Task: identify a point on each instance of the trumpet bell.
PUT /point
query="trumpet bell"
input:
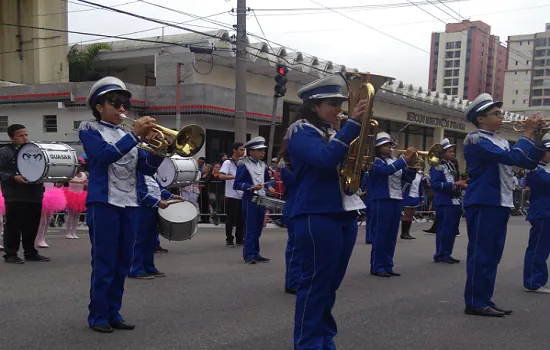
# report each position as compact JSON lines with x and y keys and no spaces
{"x":433,"y":156}
{"x":188,"y":141}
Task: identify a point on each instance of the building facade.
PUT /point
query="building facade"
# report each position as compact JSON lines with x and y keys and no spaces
{"x":466,"y":60}
{"x":527,"y":77}
{"x":53,"y":112}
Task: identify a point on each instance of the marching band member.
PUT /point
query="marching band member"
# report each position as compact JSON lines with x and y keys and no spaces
{"x":446,"y":186}
{"x":366,"y":199}
{"x":386,"y":195}
{"x":413,"y":195}
{"x":324,"y":218}
{"x":76,"y":200}
{"x":292,"y":255}
{"x":535,"y":270}
{"x":488,"y":198}
{"x":112,"y":202}
{"x":252,"y":175}
{"x":152,"y":197}
{"x":53,"y":202}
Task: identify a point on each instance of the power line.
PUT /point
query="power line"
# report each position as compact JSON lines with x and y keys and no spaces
{"x":357,"y":7}
{"x":75,"y":11}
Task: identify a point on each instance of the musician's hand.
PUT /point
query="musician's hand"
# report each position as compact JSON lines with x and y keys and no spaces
{"x":20,"y":179}
{"x":151,"y":135}
{"x":531,"y":125}
{"x":271,"y":190}
{"x":409,"y":153}
{"x":143,"y":125}
{"x":359,"y":110}
{"x":461,"y":183}
{"x":177,"y":197}
{"x":256,"y":187}
{"x":163,"y":205}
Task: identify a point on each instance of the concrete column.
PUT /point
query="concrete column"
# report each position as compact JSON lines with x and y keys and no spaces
{"x":439,"y":134}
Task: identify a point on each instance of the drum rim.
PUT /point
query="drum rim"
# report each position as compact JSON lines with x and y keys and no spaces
{"x":47,"y":160}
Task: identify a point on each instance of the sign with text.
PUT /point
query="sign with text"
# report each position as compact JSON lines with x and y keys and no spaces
{"x":434,"y":121}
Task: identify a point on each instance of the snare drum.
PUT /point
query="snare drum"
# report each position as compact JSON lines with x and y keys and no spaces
{"x":47,"y":162}
{"x":269,"y":202}
{"x":179,"y":221}
{"x":178,"y":171}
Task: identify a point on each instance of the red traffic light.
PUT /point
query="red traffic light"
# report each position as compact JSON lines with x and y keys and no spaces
{"x":282,"y":70}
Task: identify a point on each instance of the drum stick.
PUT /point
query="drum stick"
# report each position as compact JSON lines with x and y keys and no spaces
{"x":174,"y":201}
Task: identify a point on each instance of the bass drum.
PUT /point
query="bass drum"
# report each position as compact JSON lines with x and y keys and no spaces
{"x":178,"y":171}
{"x":47,"y":162}
{"x":178,"y":222}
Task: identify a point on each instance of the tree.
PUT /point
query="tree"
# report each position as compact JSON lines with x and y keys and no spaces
{"x":81,"y":62}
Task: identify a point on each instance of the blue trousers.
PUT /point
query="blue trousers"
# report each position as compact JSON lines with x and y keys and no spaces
{"x":146,"y":242}
{"x":535,"y":271}
{"x":325,"y":242}
{"x":112,"y":233}
{"x":253,"y":217}
{"x":157,"y":239}
{"x":368,"y":235}
{"x":385,"y":218}
{"x":292,"y":258}
{"x":486,"y":238}
{"x":448,"y":220}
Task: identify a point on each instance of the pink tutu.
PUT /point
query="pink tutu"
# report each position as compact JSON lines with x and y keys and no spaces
{"x":76,"y":201}
{"x":2,"y":205}
{"x":54,"y":201}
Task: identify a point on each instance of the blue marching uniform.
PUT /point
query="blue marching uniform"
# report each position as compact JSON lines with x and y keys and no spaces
{"x":325,"y":225}
{"x":487,"y":203}
{"x":413,"y":193}
{"x":535,"y":270}
{"x":365,"y":186}
{"x":387,"y":177}
{"x":112,"y":212}
{"x":448,"y":208}
{"x":250,"y":173}
{"x":292,"y":255}
{"x":150,"y":193}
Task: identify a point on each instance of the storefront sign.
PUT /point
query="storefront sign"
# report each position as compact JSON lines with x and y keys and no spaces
{"x":434,"y":121}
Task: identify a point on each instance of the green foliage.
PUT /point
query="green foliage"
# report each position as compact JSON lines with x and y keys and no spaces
{"x":81,"y":62}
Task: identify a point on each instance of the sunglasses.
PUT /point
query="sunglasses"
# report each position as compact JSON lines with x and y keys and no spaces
{"x":118,"y":101}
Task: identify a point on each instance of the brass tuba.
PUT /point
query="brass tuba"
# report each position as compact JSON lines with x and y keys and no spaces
{"x":186,"y":143}
{"x":361,"y":86}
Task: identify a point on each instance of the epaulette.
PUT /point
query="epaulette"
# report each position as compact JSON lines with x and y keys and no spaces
{"x":243,"y":161}
{"x":298,"y":125}
{"x":281,"y":164}
{"x":440,"y":167}
{"x":473,"y":138}
{"x":88,"y":125}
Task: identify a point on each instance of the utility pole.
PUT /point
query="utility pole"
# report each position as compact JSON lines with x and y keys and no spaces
{"x":240,"y":74}
{"x":178,"y":97}
{"x":272,"y":129}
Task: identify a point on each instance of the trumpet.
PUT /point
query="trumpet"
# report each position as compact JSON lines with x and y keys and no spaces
{"x":517,"y":125}
{"x":186,"y":143}
{"x":433,"y":155}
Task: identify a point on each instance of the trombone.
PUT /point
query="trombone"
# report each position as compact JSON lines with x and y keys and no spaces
{"x":433,"y":155}
{"x":186,"y":143}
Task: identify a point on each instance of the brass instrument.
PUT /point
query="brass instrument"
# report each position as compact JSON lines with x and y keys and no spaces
{"x":433,"y":155}
{"x":517,"y":125}
{"x":186,"y":143}
{"x":361,"y":86}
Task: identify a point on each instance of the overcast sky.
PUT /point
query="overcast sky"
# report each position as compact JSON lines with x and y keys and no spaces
{"x":402,"y":52}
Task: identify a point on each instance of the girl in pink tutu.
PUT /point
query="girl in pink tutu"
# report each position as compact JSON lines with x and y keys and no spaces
{"x":2,"y":213}
{"x":76,"y":200}
{"x":54,"y":201}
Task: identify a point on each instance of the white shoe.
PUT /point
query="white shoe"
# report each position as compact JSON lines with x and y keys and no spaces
{"x":543,"y":290}
{"x":75,"y":236}
{"x":42,"y":245}
{"x":68,"y":236}
{"x":1,"y":246}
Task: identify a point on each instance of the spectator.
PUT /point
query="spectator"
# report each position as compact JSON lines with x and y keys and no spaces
{"x":233,"y":198}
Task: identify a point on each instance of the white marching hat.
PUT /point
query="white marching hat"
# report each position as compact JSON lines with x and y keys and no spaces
{"x":382,"y":138}
{"x":104,"y":86}
{"x":445,"y":143}
{"x":332,"y":86}
{"x":480,"y":105}
{"x":255,"y":143}
{"x":546,"y":141}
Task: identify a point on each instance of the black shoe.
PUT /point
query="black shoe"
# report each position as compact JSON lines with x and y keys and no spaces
{"x":157,"y":274}
{"x":506,"y":312}
{"x":102,"y":328}
{"x":144,"y":276}
{"x":446,"y":261}
{"x":37,"y":257}
{"x":122,"y":325}
{"x":160,"y":249}
{"x":261,"y":259}
{"x":250,"y":261}
{"x":394,"y":274}
{"x":13,"y":260}
{"x":368,"y":242}
{"x":240,"y":243}
{"x":230,"y":244}
{"x":483,"y":311}
{"x":429,"y":231}
{"x":456,"y":261}
{"x":290,"y":291}
{"x":381,"y":274}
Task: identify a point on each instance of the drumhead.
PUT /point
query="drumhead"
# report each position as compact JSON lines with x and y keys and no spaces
{"x":31,"y":161}
{"x":179,"y":212}
{"x":166,"y":172}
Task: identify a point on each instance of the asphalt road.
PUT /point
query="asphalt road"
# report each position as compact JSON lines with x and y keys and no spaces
{"x":212,"y":300}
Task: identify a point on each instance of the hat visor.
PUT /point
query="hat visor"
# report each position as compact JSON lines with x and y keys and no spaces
{"x":448,"y":146}
{"x":384,"y":142}
{"x":120,"y":91}
{"x":327,"y":96}
{"x":258,"y":147}
{"x":497,"y":104}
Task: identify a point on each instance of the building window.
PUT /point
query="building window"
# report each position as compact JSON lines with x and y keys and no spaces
{"x":454,"y":91}
{"x":457,"y":54}
{"x":458,"y":44}
{"x":516,"y":63}
{"x":516,"y":92}
{"x":457,"y":63}
{"x":513,"y":102}
{"x":450,"y":45}
{"x":455,"y":81}
{"x":524,"y":101}
{"x":3,"y":123}
{"x":515,"y":73}
{"x":447,"y":91}
{"x":528,"y":62}
{"x":449,"y":54}
{"x":50,"y":123}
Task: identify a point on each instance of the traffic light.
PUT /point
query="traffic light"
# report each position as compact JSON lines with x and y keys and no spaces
{"x":280,"y":79}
